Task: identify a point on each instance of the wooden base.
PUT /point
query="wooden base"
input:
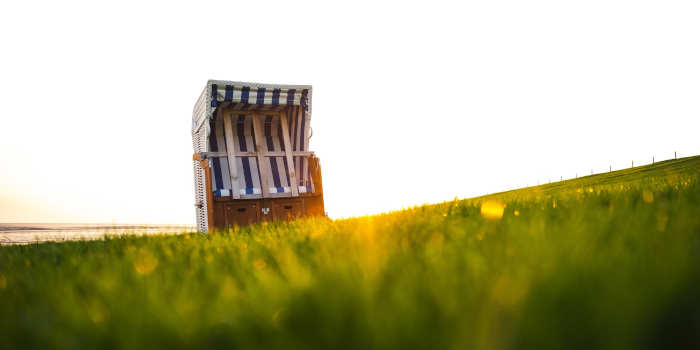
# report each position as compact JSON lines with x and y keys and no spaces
{"x":223,"y":212}
{"x":241,"y":212}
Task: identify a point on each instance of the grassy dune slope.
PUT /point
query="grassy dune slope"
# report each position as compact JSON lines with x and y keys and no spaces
{"x":606,"y":261}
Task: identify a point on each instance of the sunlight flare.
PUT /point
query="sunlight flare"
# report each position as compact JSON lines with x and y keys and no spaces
{"x":492,"y":209}
{"x":145,"y":262}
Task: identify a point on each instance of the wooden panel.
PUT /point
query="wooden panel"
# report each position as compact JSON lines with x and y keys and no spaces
{"x":316,"y":179}
{"x":242,"y":213}
{"x":313,"y":206}
{"x":230,"y":150}
{"x":219,"y":216}
{"x":228,"y":212}
{"x":287,"y":209}
{"x":288,"y":153}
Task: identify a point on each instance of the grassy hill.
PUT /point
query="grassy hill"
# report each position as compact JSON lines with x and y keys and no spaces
{"x":605,"y":261}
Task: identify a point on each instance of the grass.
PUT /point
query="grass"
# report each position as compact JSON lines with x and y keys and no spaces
{"x":608,"y":261}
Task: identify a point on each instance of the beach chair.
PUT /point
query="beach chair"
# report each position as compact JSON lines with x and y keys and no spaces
{"x":251,"y":157}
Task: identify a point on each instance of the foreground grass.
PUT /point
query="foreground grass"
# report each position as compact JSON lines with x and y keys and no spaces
{"x":608,"y":261}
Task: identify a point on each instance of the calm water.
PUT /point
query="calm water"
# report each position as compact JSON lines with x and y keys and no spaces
{"x":31,"y":233}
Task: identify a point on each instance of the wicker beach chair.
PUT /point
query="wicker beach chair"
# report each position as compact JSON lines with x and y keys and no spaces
{"x":251,"y":158}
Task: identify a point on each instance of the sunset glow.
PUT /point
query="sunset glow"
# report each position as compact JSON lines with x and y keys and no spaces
{"x":99,"y":130}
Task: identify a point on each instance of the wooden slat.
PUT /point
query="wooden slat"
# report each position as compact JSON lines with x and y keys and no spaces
{"x":302,"y":154}
{"x":302,"y":170}
{"x":205,"y":155}
{"x":288,"y":150}
{"x":246,"y":154}
{"x":279,"y":195}
{"x":251,"y":112}
{"x":251,"y":196}
{"x":264,"y":168}
{"x":305,"y":162}
{"x":230,"y":150}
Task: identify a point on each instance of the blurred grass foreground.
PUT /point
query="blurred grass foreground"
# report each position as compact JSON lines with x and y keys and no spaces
{"x":609,"y":261}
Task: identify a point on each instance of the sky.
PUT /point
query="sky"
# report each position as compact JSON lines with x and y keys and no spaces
{"x":413,"y":102}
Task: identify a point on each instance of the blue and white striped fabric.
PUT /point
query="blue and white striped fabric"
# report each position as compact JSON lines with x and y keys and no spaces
{"x":246,"y":97}
{"x":248,"y":167}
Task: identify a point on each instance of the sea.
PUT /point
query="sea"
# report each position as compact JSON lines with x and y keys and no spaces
{"x":35,"y":233}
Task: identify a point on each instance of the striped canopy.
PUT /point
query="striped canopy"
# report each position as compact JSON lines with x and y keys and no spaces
{"x":248,"y":96}
{"x":258,"y":95}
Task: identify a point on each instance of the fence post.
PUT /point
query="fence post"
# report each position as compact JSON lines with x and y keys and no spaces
{"x":674,"y":154}
{"x":652,"y":159}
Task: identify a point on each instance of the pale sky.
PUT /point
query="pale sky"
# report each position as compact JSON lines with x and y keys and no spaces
{"x":414,"y":102}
